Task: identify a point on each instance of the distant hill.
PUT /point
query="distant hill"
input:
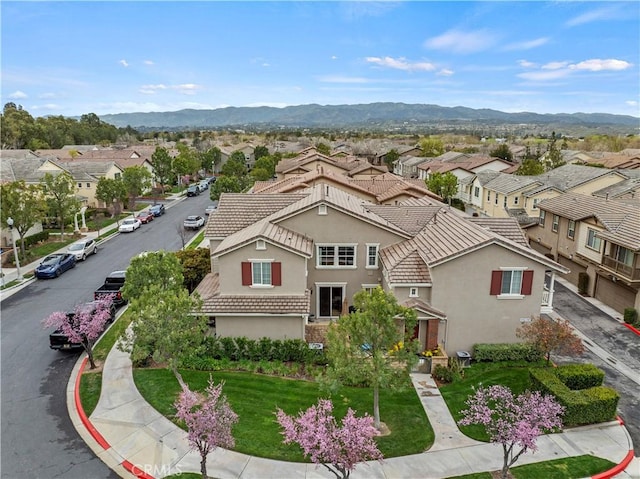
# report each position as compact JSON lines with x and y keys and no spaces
{"x":373,"y":116}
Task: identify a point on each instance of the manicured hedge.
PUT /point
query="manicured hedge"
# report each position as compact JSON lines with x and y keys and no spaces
{"x":582,"y":406}
{"x":580,"y":376}
{"x":506,"y":352}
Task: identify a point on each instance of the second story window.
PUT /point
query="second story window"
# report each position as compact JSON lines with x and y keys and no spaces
{"x":413,"y":292}
{"x":535,"y":203}
{"x":593,"y":241}
{"x":541,"y":218}
{"x":261,"y":273}
{"x":556,"y":222}
{"x":372,"y":255}
{"x":571,"y":230}
{"x":496,"y":199}
{"x":623,"y":255}
{"x":504,"y":202}
{"x":336,"y":256}
{"x":476,"y":191}
{"x":488,"y":196}
{"x":516,"y":200}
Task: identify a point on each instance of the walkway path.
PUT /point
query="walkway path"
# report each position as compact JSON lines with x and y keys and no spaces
{"x":135,"y":432}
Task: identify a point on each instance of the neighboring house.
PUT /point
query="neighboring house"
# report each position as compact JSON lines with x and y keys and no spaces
{"x":407,"y":166}
{"x":381,"y":189}
{"x":310,"y":160}
{"x":285,"y":265}
{"x":503,"y":195}
{"x":86,"y":174}
{"x":596,"y":236}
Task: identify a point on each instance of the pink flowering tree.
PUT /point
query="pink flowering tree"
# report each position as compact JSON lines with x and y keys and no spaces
{"x":514,"y":422}
{"x":209,"y":420}
{"x":338,"y":448}
{"x":83,"y":325}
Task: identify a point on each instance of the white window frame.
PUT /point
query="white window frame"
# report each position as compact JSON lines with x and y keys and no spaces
{"x":261,"y":283}
{"x":488,"y":195}
{"x":497,"y":199}
{"x":370,"y":287}
{"x":414,"y":292}
{"x":373,"y":265}
{"x":535,"y":203}
{"x":512,"y":293}
{"x":571,"y":229}
{"x":476,"y":192}
{"x":541,"y":218}
{"x":336,"y":255}
{"x":261,"y":245}
{"x":322,"y":210}
{"x":516,"y":200}
{"x":593,"y":242}
{"x":555,"y":223}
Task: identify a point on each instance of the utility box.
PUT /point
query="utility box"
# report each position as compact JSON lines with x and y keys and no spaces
{"x":465,"y":358}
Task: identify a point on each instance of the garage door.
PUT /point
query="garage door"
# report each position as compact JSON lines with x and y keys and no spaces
{"x":614,"y":294}
{"x":574,"y":267}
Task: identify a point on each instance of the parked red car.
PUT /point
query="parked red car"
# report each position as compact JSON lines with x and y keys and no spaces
{"x":145,"y":217}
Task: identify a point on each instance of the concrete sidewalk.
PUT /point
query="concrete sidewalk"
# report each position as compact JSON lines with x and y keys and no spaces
{"x":131,"y":433}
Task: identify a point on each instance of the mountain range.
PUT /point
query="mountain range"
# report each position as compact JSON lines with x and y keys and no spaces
{"x":368,"y":116}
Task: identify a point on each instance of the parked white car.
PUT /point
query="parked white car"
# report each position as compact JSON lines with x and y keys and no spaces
{"x":129,"y":225}
{"x":193,"y":222}
{"x":83,"y":248}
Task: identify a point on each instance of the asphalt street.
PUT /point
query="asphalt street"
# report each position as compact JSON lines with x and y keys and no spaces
{"x":610,"y":346}
{"x":38,"y":439}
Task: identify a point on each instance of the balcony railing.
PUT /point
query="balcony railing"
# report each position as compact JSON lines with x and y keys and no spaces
{"x":622,"y":269}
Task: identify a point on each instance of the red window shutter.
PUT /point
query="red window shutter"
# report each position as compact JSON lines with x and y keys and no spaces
{"x":276,"y":274}
{"x":527,"y":281}
{"x":246,"y":274}
{"x":496,"y":283}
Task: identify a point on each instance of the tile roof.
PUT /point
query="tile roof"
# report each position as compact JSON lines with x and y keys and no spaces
{"x":505,"y":183}
{"x":408,"y":269}
{"x":240,"y":210}
{"x":621,"y":220}
{"x":567,"y":177}
{"x":415,"y":303}
{"x":631,"y":185}
{"x":273,"y":233}
{"x":215,"y":303}
{"x":411,"y":219}
{"x":507,"y":227}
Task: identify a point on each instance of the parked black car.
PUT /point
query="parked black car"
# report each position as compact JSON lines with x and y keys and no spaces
{"x":58,"y":340}
{"x":193,"y":190}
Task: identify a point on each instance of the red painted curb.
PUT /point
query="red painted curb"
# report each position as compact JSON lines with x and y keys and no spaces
{"x":632,"y":328}
{"x":135,"y":470}
{"x":616,"y":469}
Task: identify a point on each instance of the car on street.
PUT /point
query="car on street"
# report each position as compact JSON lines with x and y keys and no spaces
{"x":193,"y":222}
{"x":193,"y":190}
{"x":129,"y":225}
{"x":145,"y":217}
{"x":211,"y":208}
{"x":54,"y":265}
{"x":58,"y":340}
{"x":83,"y":248}
{"x":157,"y":210}
{"x":203,"y":185}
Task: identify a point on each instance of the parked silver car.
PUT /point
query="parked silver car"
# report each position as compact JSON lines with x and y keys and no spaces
{"x":83,"y":248}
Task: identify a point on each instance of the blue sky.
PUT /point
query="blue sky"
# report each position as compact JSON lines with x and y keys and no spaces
{"x":73,"y":58}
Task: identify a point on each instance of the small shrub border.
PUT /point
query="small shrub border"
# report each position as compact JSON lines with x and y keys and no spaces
{"x":500,"y":352}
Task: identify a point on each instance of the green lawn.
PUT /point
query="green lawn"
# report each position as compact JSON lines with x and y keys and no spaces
{"x":514,"y":375}
{"x":255,"y":399}
{"x":566,"y":468}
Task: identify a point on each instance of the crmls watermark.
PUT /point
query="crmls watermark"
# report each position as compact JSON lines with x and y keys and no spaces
{"x":155,"y":470}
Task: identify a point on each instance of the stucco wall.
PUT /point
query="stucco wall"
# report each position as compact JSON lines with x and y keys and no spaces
{"x":277,"y":327}
{"x":461,"y":289}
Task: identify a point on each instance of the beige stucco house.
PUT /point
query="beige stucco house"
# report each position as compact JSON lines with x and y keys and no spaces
{"x":282,"y":264}
{"x":596,"y":236}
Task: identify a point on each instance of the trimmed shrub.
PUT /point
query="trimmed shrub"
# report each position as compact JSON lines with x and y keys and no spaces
{"x":583,"y":283}
{"x":443,"y":374}
{"x":580,"y":376}
{"x":506,"y":352}
{"x":630,"y":316}
{"x":582,"y":406}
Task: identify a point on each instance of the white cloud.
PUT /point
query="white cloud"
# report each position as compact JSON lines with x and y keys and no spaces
{"x":606,"y":13}
{"x":266,"y":65}
{"x":632,"y":103}
{"x":18,"y":95}
{"x":47,"y":95}
{"x":445,"y":72}
{"x":152,"y":89}
{"x":124,"y":63}
{"x":554,"y":65}
{"x":47,"y":106}
{"x":555,"y":70}
{"x":462,"y":42}
{"x":400,"y":64}
{"x":526,"y":64}
{"x":148,"y":62}
{"x":596,"y":65}
{"x":528,"y":45}
{"x":333,"y":57}
{"x":187,"y":88}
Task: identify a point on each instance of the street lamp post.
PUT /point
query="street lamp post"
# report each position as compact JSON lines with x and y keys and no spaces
{"x":15,"y":250}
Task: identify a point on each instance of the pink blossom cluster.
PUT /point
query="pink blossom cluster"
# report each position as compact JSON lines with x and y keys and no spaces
{"x":513,"y":421}
{"x":318,"y":434}
{"x":85,"y":323}
{"x":209,"y":418}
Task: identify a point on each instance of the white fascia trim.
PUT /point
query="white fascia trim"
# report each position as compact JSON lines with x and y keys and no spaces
{"x":410,"y":285}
